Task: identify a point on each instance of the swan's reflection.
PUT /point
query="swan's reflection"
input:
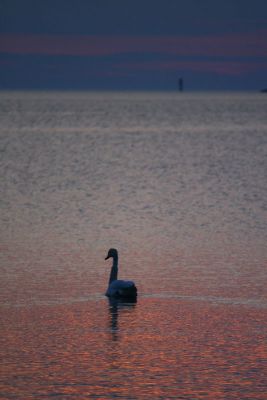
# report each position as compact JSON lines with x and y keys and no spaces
{"x":115,"y":307}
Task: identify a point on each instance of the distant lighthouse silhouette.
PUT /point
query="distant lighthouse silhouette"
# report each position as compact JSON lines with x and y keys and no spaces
{"x":181,"y":84}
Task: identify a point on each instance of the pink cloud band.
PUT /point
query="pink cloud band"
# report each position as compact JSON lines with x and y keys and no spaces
{"x":237,"y":45}
{"x":217,"y":67}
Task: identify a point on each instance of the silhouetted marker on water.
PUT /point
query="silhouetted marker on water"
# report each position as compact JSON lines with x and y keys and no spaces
{"x":118,"y":288}
{"x":181,"y":84}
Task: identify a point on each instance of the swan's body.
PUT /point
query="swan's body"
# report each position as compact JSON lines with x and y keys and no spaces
{"x":118,"y":288}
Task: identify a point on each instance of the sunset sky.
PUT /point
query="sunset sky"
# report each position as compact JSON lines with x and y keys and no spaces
{"x":133,"y":45}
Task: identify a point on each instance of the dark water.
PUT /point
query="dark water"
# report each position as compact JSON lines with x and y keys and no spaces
{"x":178,"y":185}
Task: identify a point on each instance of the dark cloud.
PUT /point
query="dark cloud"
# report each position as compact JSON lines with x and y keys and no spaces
{"x":125,"y":44}
{"x":131,"y":17}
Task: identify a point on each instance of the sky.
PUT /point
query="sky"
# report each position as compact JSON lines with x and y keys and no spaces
{"x":133,"y":44}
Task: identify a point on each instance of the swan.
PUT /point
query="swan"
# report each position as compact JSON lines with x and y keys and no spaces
{"x":118,"y":288}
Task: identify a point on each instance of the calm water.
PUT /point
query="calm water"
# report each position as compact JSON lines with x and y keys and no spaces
{"x":178,"y":184}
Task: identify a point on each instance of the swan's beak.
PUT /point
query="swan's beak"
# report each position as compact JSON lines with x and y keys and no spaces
{"x":107,"y":257}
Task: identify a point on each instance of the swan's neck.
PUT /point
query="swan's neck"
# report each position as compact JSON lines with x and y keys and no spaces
{"x":114,"y":270}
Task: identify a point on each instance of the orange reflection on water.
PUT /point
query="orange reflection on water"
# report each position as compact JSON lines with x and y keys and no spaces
{"x":157,"y":348}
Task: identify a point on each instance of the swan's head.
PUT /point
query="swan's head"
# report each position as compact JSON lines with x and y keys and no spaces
{"x":112,"y":253}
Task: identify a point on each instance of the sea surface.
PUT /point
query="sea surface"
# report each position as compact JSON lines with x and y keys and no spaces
{"x":177,"y":183}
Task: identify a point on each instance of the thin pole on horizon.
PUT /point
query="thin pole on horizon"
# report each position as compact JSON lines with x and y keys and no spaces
{"x":181,"y":84}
